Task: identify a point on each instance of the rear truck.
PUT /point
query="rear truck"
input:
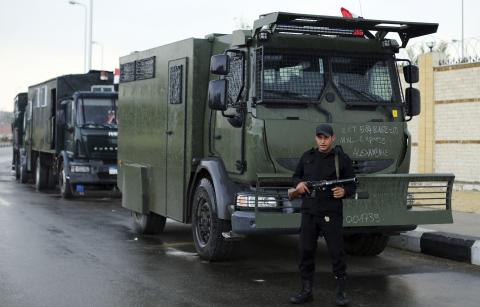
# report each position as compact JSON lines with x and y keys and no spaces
{"x":212,"y":129}
{"x":19,"y":107}
{"x":70,"y":134}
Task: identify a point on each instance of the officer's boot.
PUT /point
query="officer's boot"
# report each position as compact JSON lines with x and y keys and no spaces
{"x":340,"y":295}
{"x":305,"y":295}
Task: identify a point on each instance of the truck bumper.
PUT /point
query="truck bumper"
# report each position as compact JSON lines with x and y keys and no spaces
{"x":244,"y":222}
{"x":395,"y":203}
{"x":100,"y":173}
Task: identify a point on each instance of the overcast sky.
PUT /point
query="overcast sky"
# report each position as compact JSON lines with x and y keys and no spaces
{"x":41,"y":39}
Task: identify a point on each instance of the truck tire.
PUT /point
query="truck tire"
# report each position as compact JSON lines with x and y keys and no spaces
{"x":23,"y":173}
{"x":207,"y":228}
{"x":365,"y":244}
{"x":41,"y":175}
{"x":64,"y":184}
{"x":149,"y":224}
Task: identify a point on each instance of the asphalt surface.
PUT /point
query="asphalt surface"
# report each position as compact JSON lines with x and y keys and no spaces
{"x":84,"y":253}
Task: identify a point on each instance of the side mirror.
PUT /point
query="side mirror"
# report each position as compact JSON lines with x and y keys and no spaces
{"x":217,"y":94}
{"x":219,"y":64}
{"x":410,"y":73}
{"x":412,"y":96}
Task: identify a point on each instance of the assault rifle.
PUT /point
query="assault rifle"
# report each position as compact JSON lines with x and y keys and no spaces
{"x":322,"y":185}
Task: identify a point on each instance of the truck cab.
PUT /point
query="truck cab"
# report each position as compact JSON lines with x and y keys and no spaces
{"x":293,"y":72}
{"x":88,"y":128}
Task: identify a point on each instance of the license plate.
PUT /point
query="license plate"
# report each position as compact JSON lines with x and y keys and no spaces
{"x":112,"y":170}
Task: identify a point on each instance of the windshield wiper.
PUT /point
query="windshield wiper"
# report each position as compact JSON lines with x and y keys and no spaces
{"x":360,"y":93}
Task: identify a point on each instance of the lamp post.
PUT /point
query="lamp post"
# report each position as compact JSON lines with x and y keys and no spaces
{"x":101,"y":54}
{"x":91,"y":38}
{"x":85,"y":33}
{"x":463,"y":42}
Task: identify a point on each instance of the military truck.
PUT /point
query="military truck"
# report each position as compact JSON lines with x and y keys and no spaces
{"x":212,"y":129}
{"x":19,"y":106}
{"x":71,"y":133}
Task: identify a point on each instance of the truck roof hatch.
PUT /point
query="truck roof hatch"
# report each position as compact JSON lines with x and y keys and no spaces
{"x":281,"y":22}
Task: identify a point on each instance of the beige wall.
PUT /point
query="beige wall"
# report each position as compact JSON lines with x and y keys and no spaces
{"x":446,"y":135}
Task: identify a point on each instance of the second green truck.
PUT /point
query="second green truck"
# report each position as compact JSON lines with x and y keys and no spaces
{"x":68,"y":135}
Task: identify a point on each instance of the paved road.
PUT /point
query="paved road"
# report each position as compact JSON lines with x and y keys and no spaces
{"x":84,"y":253}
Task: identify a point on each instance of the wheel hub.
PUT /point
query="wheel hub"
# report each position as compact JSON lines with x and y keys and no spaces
{"x":204,"y":222}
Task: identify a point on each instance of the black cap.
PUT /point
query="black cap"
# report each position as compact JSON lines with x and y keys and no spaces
{"x":324,"y":129}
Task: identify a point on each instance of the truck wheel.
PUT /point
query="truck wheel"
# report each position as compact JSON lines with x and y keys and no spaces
{"x":365,"y":244}
{"x":23,"y":173}
{"x":64,"y":183}
{"x":207,"y":228}
{"x":148,"y":223}
{"x":41,"y":175}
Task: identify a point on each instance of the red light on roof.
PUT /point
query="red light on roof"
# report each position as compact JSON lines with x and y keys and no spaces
{"x":347,"y":14}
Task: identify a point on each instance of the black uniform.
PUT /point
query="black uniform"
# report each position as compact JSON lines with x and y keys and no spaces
{"x":322,"y":215}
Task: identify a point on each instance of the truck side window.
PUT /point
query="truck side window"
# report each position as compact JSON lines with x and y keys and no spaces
{"x":235,"y":78}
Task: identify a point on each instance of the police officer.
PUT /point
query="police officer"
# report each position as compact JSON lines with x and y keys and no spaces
{"x":322,"y":214}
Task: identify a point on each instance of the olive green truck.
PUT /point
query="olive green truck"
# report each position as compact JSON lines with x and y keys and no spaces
{"x":212,"y":129}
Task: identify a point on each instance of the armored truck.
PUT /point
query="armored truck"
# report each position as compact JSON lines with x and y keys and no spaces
{"x":212,"y":129}
{"x":19,"y":106}
{"x":71,"y":133}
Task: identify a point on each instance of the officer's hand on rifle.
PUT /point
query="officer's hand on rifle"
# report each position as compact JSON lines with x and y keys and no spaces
{"x":302,"y":188}
{"x":338,"y":192}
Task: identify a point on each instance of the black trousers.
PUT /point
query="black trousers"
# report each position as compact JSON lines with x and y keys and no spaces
{"x":331,"y":227}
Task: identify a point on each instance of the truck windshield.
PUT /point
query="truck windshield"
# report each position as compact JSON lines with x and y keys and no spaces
{"x":97,"y":112}
{"x":360,"y":79}
{"x":302,"y":78}
{"x":291,"y":77}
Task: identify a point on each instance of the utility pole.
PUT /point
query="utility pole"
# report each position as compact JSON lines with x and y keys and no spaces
{"x":90,"y":38}
{"x":463,"y":43}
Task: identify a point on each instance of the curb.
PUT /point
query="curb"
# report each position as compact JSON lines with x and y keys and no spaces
{"x":439,"y":244}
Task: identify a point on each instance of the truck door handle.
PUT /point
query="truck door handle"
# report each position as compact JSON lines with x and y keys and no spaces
{"x":217,"y":137}
{"x":169,"y":132}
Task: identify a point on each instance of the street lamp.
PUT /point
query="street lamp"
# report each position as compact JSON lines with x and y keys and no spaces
{"x":430,"y":45}
{"x":101,"y":54}
{"x":463,"y":41}
{"x":85,"y":34}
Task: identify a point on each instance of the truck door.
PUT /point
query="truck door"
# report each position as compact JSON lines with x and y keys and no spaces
{"x":69,"y":124}
{"x":53,"y":128}
{"x":175,"y":134}
{"x":227,"y":134}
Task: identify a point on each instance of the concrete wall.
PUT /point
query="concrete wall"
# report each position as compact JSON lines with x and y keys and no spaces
{"x":446,"y":136}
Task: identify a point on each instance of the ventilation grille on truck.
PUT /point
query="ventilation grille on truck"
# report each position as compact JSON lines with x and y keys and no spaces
{"x":309,"y":29}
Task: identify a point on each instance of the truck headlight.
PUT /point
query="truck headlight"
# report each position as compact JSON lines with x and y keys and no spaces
{"x":80,"y":168}
{"x":248,"y":201}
